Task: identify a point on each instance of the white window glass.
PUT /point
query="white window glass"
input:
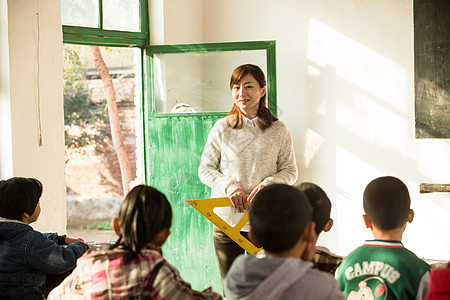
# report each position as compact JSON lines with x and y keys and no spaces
{"x":198,"y":82}
{"x":121,"y":15}
{"x":82,"y":13}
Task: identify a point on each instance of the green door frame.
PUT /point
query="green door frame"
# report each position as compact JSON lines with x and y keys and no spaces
{"x":148,"y":107}
{"x":269,"y":46}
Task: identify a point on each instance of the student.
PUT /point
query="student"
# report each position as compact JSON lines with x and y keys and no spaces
{"x":384,"y":267}
{"x":134,"y":266}
{"x":245,"y":151}
{"x":324,"y":260}
{"x":439,"y":288}
{"x":27,"y":255}
{"x":280,"y":222}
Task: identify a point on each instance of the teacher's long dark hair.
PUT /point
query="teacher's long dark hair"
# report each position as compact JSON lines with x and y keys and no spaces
{"x":144,"y":212}
{"x":265,"y":116}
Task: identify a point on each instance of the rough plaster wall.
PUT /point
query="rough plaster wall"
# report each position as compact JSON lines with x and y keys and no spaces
{"x":5,"y":103}
{"x":45,"y":163}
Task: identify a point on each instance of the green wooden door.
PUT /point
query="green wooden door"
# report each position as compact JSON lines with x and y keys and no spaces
{"x":174,"y":150}
{"x":196,"y":75}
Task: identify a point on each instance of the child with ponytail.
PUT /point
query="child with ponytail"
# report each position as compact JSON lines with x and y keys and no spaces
{"x":134,"y":266}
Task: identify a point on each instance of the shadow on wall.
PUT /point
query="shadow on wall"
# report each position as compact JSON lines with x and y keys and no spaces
{"x":359,"y":123}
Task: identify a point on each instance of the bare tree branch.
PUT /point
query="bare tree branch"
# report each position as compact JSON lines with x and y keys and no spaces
{"x":116,"y":133}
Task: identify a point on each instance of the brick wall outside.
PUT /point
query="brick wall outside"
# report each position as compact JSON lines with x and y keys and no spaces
{"x":94,"y":171}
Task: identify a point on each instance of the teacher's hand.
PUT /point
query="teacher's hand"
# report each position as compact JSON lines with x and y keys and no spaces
{"x":239,"y":200}
{"x":255,"y":191}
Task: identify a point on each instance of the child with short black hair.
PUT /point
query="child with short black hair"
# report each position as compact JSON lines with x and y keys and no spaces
{"x":323,"y":259}
{"x":134,"y":266}
{"x":384,"y":267}
{"x":26,"y":255}
{"x":280,"y":222}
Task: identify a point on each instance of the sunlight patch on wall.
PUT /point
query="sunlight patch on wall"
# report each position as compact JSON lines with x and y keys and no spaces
{"x":350,"y":183}
{"x":357,"y":64}
{"x":350,"y":168}
{"x":160,"y":92}
{"x":314,"y":88}
{"x":430,"y":210}
{"x":313,"y":143}
{"x":373,"y":122}
{"x":429,"y":150}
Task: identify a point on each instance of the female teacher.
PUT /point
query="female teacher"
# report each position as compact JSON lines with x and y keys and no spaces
{"x":246,"y":151}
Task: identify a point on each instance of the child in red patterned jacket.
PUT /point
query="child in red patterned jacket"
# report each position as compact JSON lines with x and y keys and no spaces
{"x":133,"y":267}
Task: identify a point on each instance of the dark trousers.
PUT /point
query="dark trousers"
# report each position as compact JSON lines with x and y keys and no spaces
{"x":226,"y":250}
{"x":53,"y":280}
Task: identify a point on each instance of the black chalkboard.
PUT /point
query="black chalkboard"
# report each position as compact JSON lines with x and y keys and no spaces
{"x":432,"y":68}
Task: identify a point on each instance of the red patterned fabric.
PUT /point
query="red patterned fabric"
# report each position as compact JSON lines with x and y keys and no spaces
{"x":104,"y":274}
{"x":439,"y":288}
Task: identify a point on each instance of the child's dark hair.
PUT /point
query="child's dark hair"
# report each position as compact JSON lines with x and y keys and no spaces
{"x":19,"y":195}
{"x":320,"y":203}
{"x":386,"y":202}
{"x":279,"y":215}
{"x":144,"y":212}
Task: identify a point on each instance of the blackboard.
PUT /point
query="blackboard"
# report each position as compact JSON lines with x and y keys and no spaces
{"x":432,"y":68}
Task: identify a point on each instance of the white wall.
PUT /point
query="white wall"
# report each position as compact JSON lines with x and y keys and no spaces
{"x":176,"y":21}
{"x":5,"y":104}
{"x":345,"y":90}
{"x":29,"y":159}
{"x":345,"y":76}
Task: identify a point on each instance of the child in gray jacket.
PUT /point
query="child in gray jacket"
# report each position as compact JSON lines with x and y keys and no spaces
{"x":281,"y":222}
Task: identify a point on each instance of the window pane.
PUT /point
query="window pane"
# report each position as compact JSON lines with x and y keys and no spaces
{"x":198,"y":82}
{"x":92,"y":168}
{"x":80,"y":13}
{"x":121,"y":15}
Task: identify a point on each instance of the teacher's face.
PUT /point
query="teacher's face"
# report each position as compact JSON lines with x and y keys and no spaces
{"x":247,"y":94}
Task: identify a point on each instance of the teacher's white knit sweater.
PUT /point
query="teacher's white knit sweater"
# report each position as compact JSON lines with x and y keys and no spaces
{"x":244,"y":158}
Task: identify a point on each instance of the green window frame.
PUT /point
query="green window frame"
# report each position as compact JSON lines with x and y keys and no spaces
{"x":150,"y":51}
{"x":90,"y":36}
{"x":102,"y":37}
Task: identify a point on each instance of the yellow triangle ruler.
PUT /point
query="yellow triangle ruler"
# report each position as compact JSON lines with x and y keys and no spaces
{"x":206,"y":207}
